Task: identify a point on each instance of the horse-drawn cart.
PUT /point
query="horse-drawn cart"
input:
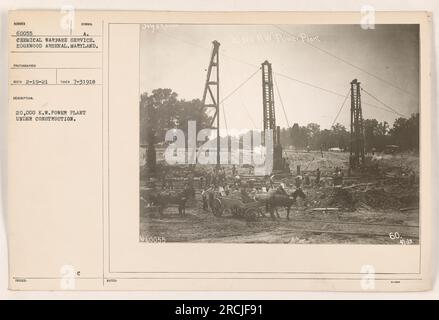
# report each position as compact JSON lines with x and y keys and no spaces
{"x":236,"y":207}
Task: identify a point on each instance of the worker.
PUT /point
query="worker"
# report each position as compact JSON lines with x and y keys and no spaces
{"x":317,"y":176}
{"x":226,"y":189}
{"x":211,"y":195}
{"x":204,"y":197}
{"x":233,"y":170}
{"x":307,"y":180}
{"x":272,"y":181}
{"x":235,"y":194}
{"x":298,"y":181}
{"x":338,"y":177}
{"x":299,"y":192}
{"x":244,"y":195}
{"x":281,"y":190}
{"x":335,"y":177}
{"x":201,"y":182}
{"x":237,"y":181}
{"x":222,"y":191}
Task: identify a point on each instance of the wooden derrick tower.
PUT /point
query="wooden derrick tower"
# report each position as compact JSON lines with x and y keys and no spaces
{"x":356,"y":157}
{"x":211,"y":92}
{"x":270,"y":115}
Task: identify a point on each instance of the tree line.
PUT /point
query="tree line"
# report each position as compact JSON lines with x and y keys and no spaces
{"x":162,"y":110}
{"x":377,"y":135}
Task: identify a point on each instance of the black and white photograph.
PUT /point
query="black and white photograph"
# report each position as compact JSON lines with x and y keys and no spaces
{"x":221,"y":152}
{"x":279,"y":134}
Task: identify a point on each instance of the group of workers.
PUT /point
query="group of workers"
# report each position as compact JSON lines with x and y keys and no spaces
{"x":215,"y":182}
{"x":216,"y":176}
{"x":246,"y":192}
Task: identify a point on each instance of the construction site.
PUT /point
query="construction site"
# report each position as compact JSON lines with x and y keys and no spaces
{"x":325,"y":195}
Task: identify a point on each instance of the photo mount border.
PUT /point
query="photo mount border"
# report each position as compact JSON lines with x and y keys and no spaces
{"x":224,"y":272}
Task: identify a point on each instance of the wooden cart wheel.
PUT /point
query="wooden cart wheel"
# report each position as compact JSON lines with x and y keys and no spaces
{"x":251,"y":214}
{"x":227,"y":211}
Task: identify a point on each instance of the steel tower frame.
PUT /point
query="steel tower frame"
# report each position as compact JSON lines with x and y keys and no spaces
{"x":357,"y":128}
{"x":212,"y":87}
{"x":268,"y":100}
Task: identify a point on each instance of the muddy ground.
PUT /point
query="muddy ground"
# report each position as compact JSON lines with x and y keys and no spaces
{"x":370,"y":214}
{"x":305,"y":226}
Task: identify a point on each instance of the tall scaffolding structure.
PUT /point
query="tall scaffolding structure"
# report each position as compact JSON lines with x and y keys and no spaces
{"x":357,"y":130}
{"x":212,"y":87}
{"x":270,"y":115}
{"x":268,"y":100}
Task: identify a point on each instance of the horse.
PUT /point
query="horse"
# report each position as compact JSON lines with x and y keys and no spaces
{"x":165,"y":198}
{"x":149,"y":197}
{"x":275,"y":199}
{"x":280,"y":200}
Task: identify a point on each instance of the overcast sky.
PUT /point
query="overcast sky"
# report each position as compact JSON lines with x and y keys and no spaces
{"x":177,"y":56}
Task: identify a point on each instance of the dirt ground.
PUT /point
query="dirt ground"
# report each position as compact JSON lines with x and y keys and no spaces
{"x":368,"y":209}
{"x":361,"y":227}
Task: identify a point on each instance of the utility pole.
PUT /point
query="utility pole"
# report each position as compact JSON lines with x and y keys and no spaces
{"x":356,"y":157}
{"x":212,"y":87}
